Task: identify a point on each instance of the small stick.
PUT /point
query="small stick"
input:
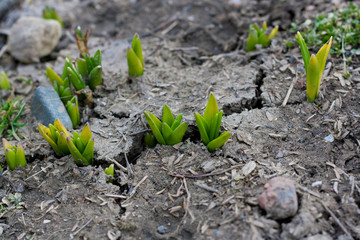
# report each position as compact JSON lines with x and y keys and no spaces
{"x":42,"y":170}
{"x":289,"y":91}
{"x":205,"y":187}
{"x":135,"y":188}
{"x":181,"y":175}
{"x":87,"y":223}
{"x":118,"y":164}
{"x":128,"y":167}
{"x":336,"y":219}
{"x":3,"y":50}
{"x":115,"y":196}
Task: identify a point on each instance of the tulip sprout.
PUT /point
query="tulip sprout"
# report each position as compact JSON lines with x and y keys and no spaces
{"x":4,"y":82}
{"x":169,"y":131}
{"x":50,"y":13}
{"x":14,"y":154}
{"x":110,"y":172}
{"x":209,"y":125}
{"x":258,"y":36}
{"x":135,"y":58}
{"x":60,"y":85}
{"x":81,"y":146}
{"x":90,"y":69}
{"x":56,"y":136}
{"x":314,"y":66}
{"x":72,"y":107}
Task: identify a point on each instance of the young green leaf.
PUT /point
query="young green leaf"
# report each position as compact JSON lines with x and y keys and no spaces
{"x":218,"y":142}
{"x":156,"y":126}
{"x":312,"y":77}
{"x":136,"y":69}
{"x":95,"y":77}
{"x":176,"y":122}
{"x":110,"y":170}
{"x":304,"y":50}
{"x":150,"y":140}
{"x":177,"y":135}
{"x":167,"y":116}
{"x":202,"y":125}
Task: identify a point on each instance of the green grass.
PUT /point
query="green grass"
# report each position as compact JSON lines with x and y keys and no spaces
{"x":10,"y":113}
{"x":343,"y":25}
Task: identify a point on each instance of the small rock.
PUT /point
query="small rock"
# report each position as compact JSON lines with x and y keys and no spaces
{"x":329,"y":138}
{"x":162,"y":229}
{"x":46,"y":106}
{"x":324,"y":236}
{"x":279,"y":198}
{"x":208,"y":166}
{"x":31,"y":38}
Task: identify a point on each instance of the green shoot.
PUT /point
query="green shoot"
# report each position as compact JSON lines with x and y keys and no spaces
{"x":150,"y":140}
{"x":90,"y":69}
{"x":10,"y":113}
{"x":169,"y":131}
{"x":135,"y":58}
{"x":4,"y":82}
{"x":314,"y":66}
{"x":15,"y":156}
{"x":72,"y":107}
{"x":258,"y":36}
{"x":110,"y":170}
{"x":209,"y":125}
{"x":56,"y":136}
{"x":81,"y":146}
{"x":61,"y":86}
{"x":50,"y":13}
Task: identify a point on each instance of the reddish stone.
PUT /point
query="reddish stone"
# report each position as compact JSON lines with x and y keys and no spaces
{"x":279,"y":198}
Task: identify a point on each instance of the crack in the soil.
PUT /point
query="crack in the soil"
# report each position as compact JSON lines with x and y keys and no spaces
{"x":255,"y":102}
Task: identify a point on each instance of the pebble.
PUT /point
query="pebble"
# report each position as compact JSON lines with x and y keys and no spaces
{"x":46,"y":106}
{"x":31,"y":38}
{"x":279,"y":198}
{"x":162,"y":229}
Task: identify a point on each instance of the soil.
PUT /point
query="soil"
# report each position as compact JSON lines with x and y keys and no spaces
{"x":191,"y":48}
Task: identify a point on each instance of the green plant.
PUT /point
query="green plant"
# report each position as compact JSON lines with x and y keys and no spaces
{"x":90,"y":69}
{"x":50,"y":13}
{"x":169,"y":131}
{"x":56,"y":136}
{"x":209,"y":125}
{"x":258,"y":36}
{"x":314,"y":66}
{"x":61,"y":85}
{"x":135,"y":58}
{"x":150,"y":140}
{"x":9,"y":203}
{"x":10,"y":113}
{"x":4,"y":82}
{"x":87,"y":70}
{"x":72,"y":107}
{"x":81,"y":146}
{"x":110,"y":170}
{"x":342,"y":24}
{"x":14,"y":155}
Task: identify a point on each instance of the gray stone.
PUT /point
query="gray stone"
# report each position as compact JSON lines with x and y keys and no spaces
{"x":46,"y":106}
{"x":31,"y":38}
{"x":279,"y":198}
{"x":162,"y":229}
